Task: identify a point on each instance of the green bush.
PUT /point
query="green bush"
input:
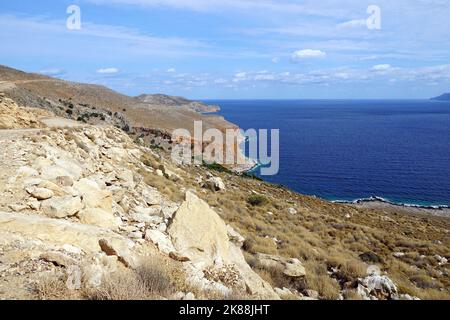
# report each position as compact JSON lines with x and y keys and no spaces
{"x":216,"y":167}
{"x":257,"y":200}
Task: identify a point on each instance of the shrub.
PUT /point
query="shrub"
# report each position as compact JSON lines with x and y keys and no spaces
{"x":216,"y":167}
{"x":123,"y":285}
{"x":155,"y":277}
{"x":257,"y":200}
{"x":51,"y":288}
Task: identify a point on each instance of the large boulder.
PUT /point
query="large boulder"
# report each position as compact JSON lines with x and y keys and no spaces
{"x":98,"y":217}
{"x":215,"y":184}
{"x":61,"y":207}
{"x":375,"y":287}
{"x":120,"y":249}
{"x":93,"y":196}
{"x":61,"y":168}
{"x":199,"y":234}
{"x":291,"y":268}
{"x":40,"y":193}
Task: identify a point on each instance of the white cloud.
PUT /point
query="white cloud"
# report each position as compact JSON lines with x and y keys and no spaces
{"x":52,"y":72}
{"x":240,"y":76}
{"x":220,"y":81}
{"x":353,"y":24}
{"x":171,"y":70}
{"x":308,"y":54}
{"x":381,"y":67}
{"x":108,"y":70}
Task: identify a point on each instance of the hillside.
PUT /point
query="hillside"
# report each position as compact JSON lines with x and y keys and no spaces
{"x":164,"y":100}
{"x":443,"y":97}
{"x":94,"y":103}
{"x":87,"y":211}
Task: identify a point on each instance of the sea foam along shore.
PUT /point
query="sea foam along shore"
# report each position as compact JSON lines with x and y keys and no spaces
{"x":380,"y":203}
{"x":384,"y":200}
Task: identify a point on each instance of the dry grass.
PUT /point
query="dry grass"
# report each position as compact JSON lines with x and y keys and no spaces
{"x":53,"y":287}
{"x":124,"y":285}
{"x":157,"y":277}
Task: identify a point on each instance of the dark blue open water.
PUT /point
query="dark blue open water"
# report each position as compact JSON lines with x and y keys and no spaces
{"x":348,"y":150}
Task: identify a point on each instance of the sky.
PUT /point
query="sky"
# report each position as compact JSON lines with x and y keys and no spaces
{"x":236,"y":49}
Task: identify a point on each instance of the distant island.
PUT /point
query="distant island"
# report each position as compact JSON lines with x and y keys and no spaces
{"x":443,"y":97}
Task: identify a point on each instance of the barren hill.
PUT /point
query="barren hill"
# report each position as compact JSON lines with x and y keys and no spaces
{"x":94,"y":103}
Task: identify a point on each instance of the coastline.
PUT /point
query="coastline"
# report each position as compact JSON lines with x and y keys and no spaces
{"x":443,"y":211}
{"x":384,"y":204}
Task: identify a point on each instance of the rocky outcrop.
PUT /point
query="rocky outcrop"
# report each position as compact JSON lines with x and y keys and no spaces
{"x":375,"y":287}
{"x":14,"y":117}
{"x":201,"y":235}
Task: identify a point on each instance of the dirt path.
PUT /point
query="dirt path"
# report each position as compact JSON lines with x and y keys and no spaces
{"x":10,"y":134}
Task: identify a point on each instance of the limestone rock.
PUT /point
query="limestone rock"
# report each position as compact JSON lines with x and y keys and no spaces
{"x":74,"y":277}
{"x":161,"y":240}
{"x":57,"y":190}
{"x":51,"y":172}
{"x":26,"y":172}
{"x":283,"y":292}
{"x":93,"y":196}
{"x":376,"y":287}
{"x":294,"y":270}
{"x":147,"y":215}
{"x":14,"y":117}
{"x":235,"y":237}
{"x":199,"y":233}
{"x":121,"y":249}
{"x":40,"y":193}
{"x":151,"y":196}
{"x":58,"y":258}
{"x":215,"y":184}
{"x":61,"y":207}
{"x":54,"y":232}
{"x":291,"y":267}
{"x":98,"y":217}
{"x":126,"y":178}
{"x":64,"y":181}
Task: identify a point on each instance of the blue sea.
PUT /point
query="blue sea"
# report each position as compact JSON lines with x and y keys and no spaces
{"x":345,"y":150}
